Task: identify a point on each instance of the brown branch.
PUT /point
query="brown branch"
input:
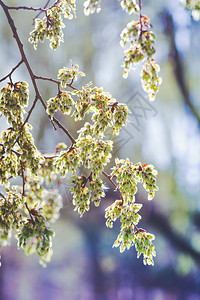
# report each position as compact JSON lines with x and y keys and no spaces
{"x":15,"y":152}
{"x":50,"y":157}
{"x":2,"y":196}
{"x":40,"y":11}
{"x":29,"y":113}
{"x":9,"y":75}
{"x":115,"y":186}
{"x":49,"y":79}
{"x":25,"y":8}
{"x":72,"y":87}
{"x":64,"y":130}
{"x":57,"y":82}
{"x":32,"y":8}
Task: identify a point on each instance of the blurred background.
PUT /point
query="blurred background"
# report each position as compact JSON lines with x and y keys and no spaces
{"x":165,"y":133}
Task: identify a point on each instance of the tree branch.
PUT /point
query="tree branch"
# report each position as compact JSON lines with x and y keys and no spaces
{"x":115,"y":186}
{"x":64,"y":130}
{"x":2,"y":196}
{"x":179,"y":68}
{"x":161,"y":223}
{"x":32,"y":8}
{"x":9,"y":75}
{"x":57,"y":82}
{"x":49,"y":79}
{"x":40,"y":11}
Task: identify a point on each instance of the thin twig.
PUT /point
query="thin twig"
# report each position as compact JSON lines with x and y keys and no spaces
{"x":25,"y":8}
{"x":2,"y":196}
{"x":72,"y":87}
{"x":49,"y":79}
{"x":57,"y":82}
{"x":40,"y":11}
{"x":50,"y":157}
{"x":117,"y":189}
{"x":32,"y":8}
{"x":15,"y":152}
{"x":16,"y":67}
{"x":30,"y":111}
{"x":64,"y":130}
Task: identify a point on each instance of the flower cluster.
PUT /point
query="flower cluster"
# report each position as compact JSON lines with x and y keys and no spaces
{"x":52,"y":205}
{"x":129,"y":234}
{"x":82,"y":105}
{"x":127,"y":176}
{"x":107,"y":112}
{"x":139,"y":238}
{"x":50,"y":27}
{"x":194,"y":6}
{"x":35,"y":236}
{"x":41,"y":207}
{"x":97,"y":190}
{"x":47,"y":201}
{"x":81,"y":194}
{"x":150,"y":79}
{"x":69,"y":75}
{"x":86,"y":189}
{"x":129,"y":218}
{"x":67,"y":161}
{"x":14,"y":97}
{"x":28,"y":149}
{"x":63,"y":102}
{"x":141,"y":42}
{"x":9,"y":165}
{"x":94,"y":153}
{"x":90,"y":6}
{"x":9,"y":215}
{"x":130,"y":6}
